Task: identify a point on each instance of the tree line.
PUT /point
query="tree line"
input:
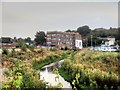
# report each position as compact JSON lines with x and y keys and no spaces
{"x":97,"y":35}
{"x":86,"y":33}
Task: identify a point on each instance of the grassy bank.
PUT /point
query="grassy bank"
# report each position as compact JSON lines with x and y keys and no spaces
{"x":88,"y":69}
{"x":62,"y":71}
{"x":20,"y":67}
{"x":50,"y":59}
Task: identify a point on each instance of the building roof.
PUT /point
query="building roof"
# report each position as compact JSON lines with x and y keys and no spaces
{"x":56,"y":32}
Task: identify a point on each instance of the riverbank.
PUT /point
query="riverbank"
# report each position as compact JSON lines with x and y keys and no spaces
{"x":50,"y":59}
{"x":88,"y":69}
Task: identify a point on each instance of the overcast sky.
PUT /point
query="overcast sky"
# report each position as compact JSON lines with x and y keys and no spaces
{"x":22,"y":19}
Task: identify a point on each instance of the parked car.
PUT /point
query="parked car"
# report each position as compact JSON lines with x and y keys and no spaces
{"x":103,"y":48}
{"x":109,"y":49}
{"x":113,"y":49}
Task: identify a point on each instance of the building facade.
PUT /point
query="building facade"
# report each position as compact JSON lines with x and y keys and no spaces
{"x":110,"y":41}
{"x":7,"y":42}
{"x":64,"y":39}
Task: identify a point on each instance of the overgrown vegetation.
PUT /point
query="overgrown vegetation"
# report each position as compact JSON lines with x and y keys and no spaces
{"x":88,"y":69}
{"x":20,"y":73}
{"x":83,"y":69}
{"x":20,"y":67}
{"x":50,"y":57}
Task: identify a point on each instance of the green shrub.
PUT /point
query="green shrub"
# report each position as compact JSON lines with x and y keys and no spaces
{"x":5,"y":51}
{"x":31,"y":48}
{"x":66,"y":48}
{"x":53,"y":49}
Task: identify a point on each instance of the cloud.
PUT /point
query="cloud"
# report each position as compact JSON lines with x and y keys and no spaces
{"x":30,"y":17}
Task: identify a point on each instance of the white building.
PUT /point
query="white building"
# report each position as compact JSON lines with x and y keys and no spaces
{"x":110,"y":41}
{"x":78,"y":44}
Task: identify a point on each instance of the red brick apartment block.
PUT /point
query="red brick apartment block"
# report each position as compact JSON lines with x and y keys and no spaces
{"x":64,"y":39}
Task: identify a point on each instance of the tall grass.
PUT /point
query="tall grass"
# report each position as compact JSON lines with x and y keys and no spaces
{"x":96,"y":69}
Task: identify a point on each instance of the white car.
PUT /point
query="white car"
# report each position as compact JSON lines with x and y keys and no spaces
{"x":104,"y":48}
{"x":108,"y":49}
{"x":112,"y":49}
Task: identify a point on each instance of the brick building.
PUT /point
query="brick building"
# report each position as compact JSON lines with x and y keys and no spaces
{"x":64,"y":39}
{"x":7,"y":42}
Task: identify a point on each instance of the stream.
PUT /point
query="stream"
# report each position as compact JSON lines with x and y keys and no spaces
{"x":46,"y":74}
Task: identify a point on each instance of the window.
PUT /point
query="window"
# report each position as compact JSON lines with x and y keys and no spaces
{"x":60,"y":42}
{"x":67,"y":35}
{"x":67,"y":42}
{"x":48,"y":35}
{"x":48,"y":43}
{"x":53,"y":34}
{"x":53,"y":38}
{"x":48,"y":38}
{"x":54,"y":43}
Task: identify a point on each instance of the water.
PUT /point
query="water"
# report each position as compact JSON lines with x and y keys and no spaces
{"x":49,"y":77}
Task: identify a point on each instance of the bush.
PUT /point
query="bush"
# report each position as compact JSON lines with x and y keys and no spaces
{"x":22,"y":45}
{"x":62,"y":48}
{"x":92,"y":68}
{"x":53,"y":49}
{"x":66,"y":48}
{"x":5,"y":51}
{"x":31,"y":48}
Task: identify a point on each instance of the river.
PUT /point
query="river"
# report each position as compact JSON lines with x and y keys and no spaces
{"x":48,"y":76}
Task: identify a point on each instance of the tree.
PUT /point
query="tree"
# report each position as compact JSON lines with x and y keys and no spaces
{"x":68,"y":30}
{"x":118,"y":37}
{"x":40,"y":38}
{"x":21,"y":44}
{"x":6,"y":40}
{"x":96,"y":41}
{"x":84,"y":30}
{"x":28,"y":40}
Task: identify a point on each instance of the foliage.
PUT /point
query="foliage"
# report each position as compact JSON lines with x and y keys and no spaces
{"x":5,"y":51}
{"x":66,"y":48}
{"x":92,"y":69}
{"x":55,"y":71}
{"x":96,"y":41}
{"x":20,"y":72}
{"x":84,"y":30}
{"x":40,"y":62}
{"x":14,"y":78}
{"x":31,"y":48}
{"x":40,"y":38}
{"x":28,"y":40}
{"x":22,"y":45}
{"x":100,"y":32}
{"x":53,"y":49}
{"x":6,"y":40}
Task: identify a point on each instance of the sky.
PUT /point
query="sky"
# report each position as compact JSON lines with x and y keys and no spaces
{"x":24,"y":19}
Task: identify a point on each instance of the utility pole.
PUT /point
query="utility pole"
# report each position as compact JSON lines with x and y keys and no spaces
{"x":86,"y":42}
{"x":91,"y":42}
